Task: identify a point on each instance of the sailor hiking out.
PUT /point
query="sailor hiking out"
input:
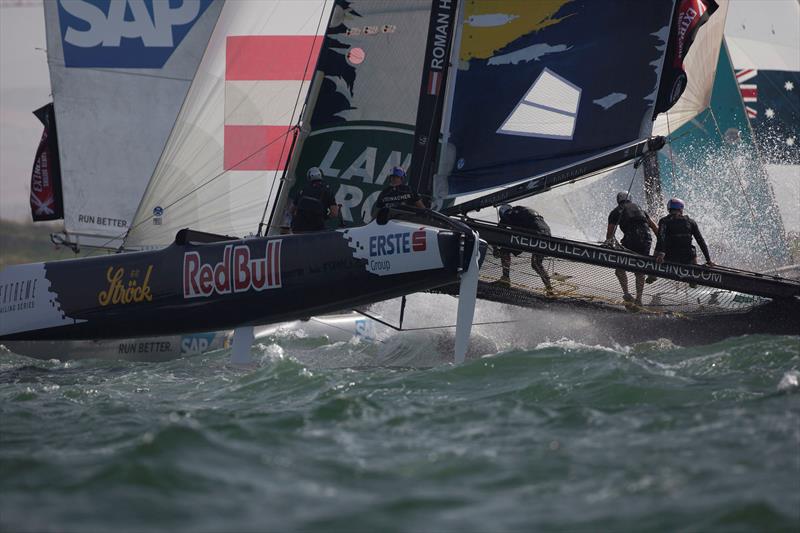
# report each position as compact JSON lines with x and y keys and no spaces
{"x":397,"y":193}
{"x":675,"y":232}
{"x":522,"y":217}
{"x":313,"y":204}
{"x":635,"y":224}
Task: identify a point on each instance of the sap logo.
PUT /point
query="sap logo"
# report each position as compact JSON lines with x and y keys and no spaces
{"x":125,"y":33}
{"x":397,"y":243}
{"x":196,"y":344}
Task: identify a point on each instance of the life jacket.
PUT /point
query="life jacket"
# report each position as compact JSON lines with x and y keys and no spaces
{"x":677,"y":235}
{"x":525,"y":217}
{"x":632,"y":220}
{"x":395,"y":196}
{"x":310,"y":201}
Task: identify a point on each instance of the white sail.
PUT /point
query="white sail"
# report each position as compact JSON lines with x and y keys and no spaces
{"x":763,"y":38}
{"x":118,"y":83}
{"x":764,"y":34}
{"x":701,"y":67}
{"x":229,"y":146}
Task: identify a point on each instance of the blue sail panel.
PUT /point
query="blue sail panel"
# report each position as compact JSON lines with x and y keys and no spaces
{"x":542,"y":85}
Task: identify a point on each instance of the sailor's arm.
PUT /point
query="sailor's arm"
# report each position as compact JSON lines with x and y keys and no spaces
{"x":701,"y":243}
{"x":661,"y":240}
{"x":651,"y":224}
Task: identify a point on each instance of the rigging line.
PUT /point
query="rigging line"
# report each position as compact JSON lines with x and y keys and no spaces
{"x":214,"y":178}
{"x":744,"y":193}
{"x":343,"y":329}
{"x":299,"y":117}
{"x":630,"y":186}
{"x":671,"y":155}
{"x":387,"y":324}
{"x":672,"y":139}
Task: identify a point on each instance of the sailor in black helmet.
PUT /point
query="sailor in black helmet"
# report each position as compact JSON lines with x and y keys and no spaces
{"x":635,"y":224}
{"x":522,"y":217}
{"x":313,"y":204}
{"x":675,"y":232}
{"x":396,"y":193}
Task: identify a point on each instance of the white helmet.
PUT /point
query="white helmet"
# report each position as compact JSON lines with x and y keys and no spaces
{"x":314,"y":174}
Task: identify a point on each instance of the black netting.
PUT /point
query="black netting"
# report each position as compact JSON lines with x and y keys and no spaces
{"x":589,"y":284}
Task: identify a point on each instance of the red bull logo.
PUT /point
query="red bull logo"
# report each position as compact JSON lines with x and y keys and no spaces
{"x":236,"y":273}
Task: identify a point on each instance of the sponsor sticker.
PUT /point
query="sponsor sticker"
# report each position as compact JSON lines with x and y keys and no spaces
{"x":125,"y":33}
{"x":394,"y":248}
{"x":126,"y":286}
{"x":237,"y":272}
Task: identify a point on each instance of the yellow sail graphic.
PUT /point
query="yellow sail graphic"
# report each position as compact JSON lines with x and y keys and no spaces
{"x":490,"y":25}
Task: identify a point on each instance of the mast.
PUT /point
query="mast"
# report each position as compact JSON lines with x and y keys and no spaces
{"x":432,"y":95}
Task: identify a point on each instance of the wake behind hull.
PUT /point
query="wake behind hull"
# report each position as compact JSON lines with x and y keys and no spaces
{"x":189,"y":287}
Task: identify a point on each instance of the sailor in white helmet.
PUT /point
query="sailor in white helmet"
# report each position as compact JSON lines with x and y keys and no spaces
{"x":313,"y":204}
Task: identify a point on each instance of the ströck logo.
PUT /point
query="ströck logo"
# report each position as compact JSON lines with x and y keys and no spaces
{"x":125,"y":33}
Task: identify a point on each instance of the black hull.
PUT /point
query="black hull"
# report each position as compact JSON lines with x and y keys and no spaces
{"x":195,"y":287}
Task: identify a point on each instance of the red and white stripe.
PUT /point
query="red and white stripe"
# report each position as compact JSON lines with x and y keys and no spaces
{"x":434,"y":82}
{"x":749,"y":91}
{"x":266,"y":77}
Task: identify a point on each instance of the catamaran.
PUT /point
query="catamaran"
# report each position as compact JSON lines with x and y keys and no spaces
{"x":539,"y":95}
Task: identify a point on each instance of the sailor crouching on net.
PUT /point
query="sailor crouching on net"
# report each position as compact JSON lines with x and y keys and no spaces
{"x":522,"y":217}
{"x":313,"y":204}
{"x":675,"y":232}
{"x":635,"y":224}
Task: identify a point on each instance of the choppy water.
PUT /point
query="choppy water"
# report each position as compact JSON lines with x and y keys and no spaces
{"x":356,"y":437}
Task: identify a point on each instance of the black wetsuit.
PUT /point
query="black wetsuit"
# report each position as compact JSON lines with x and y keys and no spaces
{"x":523,"y":217}
{"x":395,"y":196}
{"x":632,"y":220}
{"x":311,"y":207}
{"x":675,"y":234}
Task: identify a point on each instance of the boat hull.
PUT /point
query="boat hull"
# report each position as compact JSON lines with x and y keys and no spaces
{"x":192,"y":287}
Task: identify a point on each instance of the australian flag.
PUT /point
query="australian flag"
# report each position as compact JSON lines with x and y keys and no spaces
{"x":772,"y":101}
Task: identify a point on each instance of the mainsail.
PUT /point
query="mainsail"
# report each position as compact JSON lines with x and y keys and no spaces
{"x":233,"y":135}
{"x":119,"y":72}
{"x":544,"y":85}
{"x":363,"y":121}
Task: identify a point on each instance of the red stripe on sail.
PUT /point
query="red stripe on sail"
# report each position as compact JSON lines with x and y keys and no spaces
{"x":271,"y":57}
{"x":256,"y":147}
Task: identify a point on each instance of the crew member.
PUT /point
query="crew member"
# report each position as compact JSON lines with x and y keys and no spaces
{"x":313,"y":204}
{"x":675,"y":232}
{"x":522,"y":217}
{"x":396,"y":193}
{"x":635,"y":224}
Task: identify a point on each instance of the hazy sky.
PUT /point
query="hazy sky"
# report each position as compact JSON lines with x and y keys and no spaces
{"x":24,"y":86}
